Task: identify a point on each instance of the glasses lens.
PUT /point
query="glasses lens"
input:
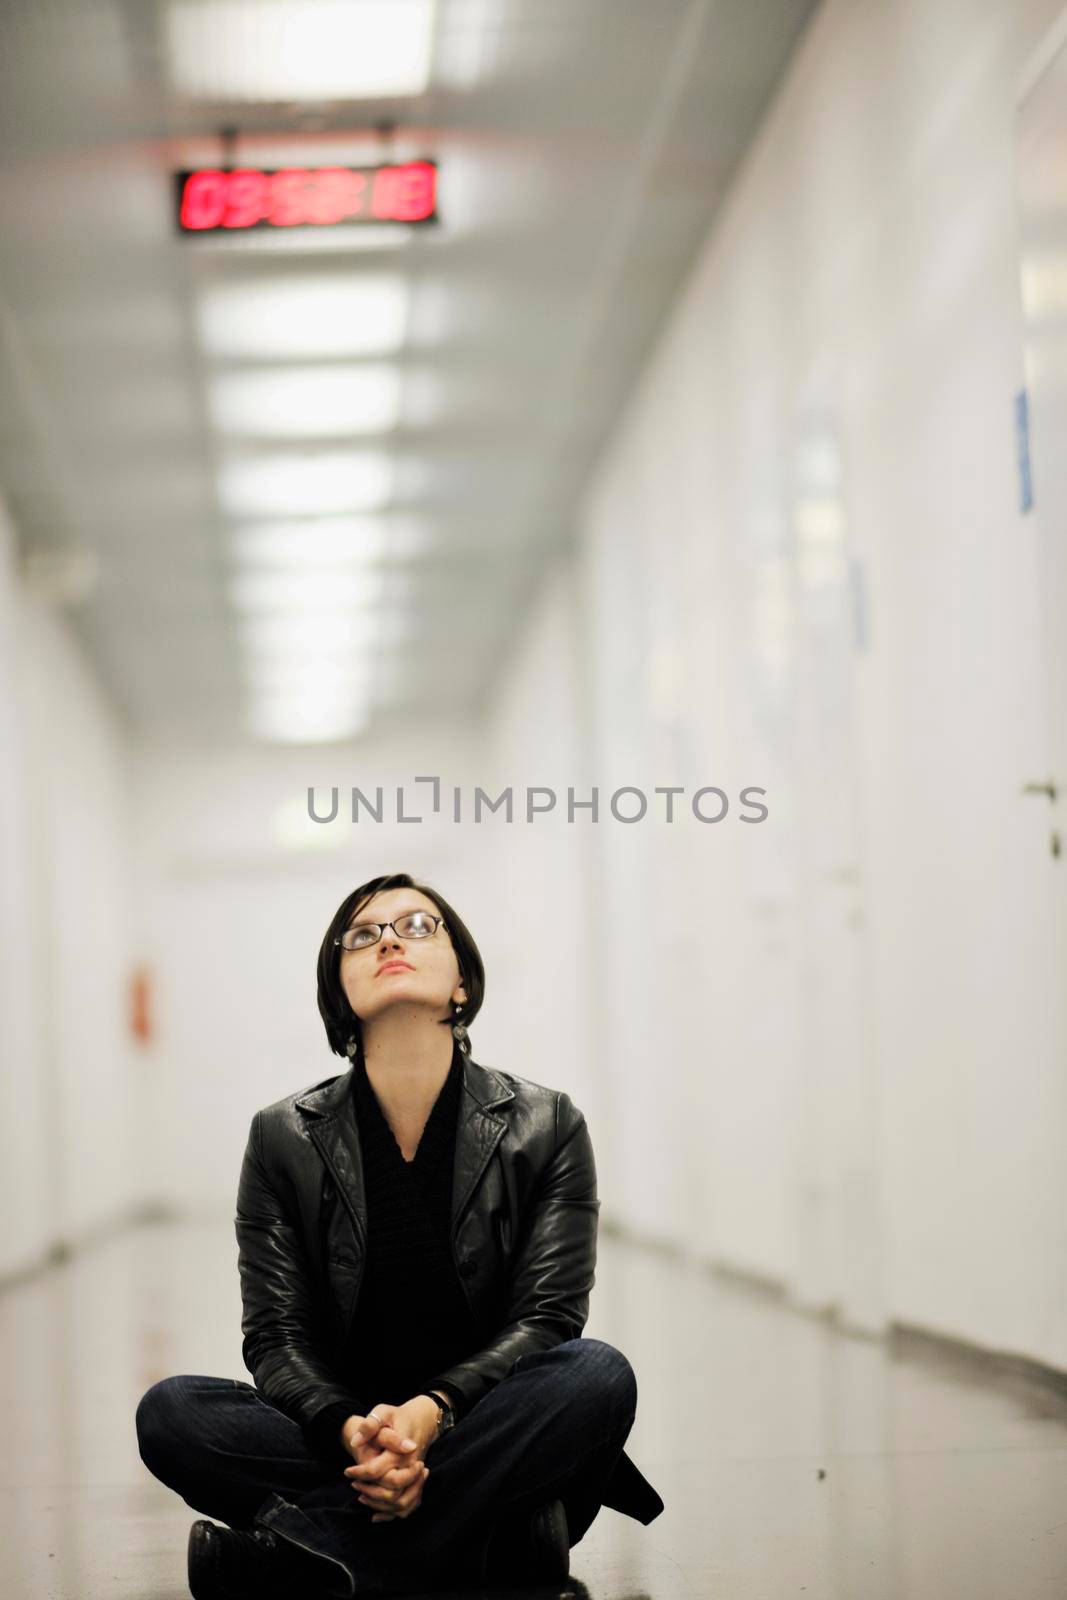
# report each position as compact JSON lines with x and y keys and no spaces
{"x":359,"y":938}
{"x":417,"y":925}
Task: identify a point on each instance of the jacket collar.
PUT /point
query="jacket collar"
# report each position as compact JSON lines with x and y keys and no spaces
{"x":484,"y":1086}
{"x":331,"y":1125}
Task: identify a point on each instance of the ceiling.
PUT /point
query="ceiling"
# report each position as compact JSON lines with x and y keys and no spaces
{"x":583,"y":148}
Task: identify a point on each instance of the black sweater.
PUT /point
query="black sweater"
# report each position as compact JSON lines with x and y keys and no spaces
{"x":412,"y":1319}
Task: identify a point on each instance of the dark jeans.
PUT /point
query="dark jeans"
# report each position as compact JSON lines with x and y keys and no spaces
{"x":551,"y":1429}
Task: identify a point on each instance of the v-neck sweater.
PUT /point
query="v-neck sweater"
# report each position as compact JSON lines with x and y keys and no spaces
{"x":412,"y":1318}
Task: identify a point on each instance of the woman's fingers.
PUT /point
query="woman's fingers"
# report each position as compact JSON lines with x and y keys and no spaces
{"x":403,"y":1507}
{"x":374,"y":1471}
{"x":396,"y":1477}
{"x":389,"y":1497}
{"x":409,"y":1501}
{"x":390,"y":1439}
{"x":376,"y":1467}
{"x":367,"y":1429}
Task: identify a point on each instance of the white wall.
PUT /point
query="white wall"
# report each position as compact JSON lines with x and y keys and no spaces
{"x":548,"y":964}
{"x":69,"y":1067}
{"x":236,"y":888}
{"x":803,"y":566}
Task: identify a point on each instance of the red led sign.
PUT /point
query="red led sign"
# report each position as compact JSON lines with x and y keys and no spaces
{"x":213,"y":201}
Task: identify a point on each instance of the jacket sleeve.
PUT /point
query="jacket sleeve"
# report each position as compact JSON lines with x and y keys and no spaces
{"x":554,"y":1269}
{"x":282,"y":1339}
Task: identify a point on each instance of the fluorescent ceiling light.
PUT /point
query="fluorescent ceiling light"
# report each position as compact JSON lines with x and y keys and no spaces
{"x":309,"y":634}
{"x":339,"y":699}
{"x":285,"y":678}
{"x":327,"y":542}
{"x":303,"y":592}
{"x":289,"y":485}
{"x":283,"y":726}
{"x":299,"y":49}
{"x":275,"y":671}
{"x":306,"y":719}
{"x":307,"y":402}
{"x":364,"y":315}
{"x":323,"y":632}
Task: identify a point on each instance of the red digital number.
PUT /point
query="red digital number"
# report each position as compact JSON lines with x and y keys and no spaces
{"x":295,"y":196}
{"x":248,"y":199}
{"x":336,"y":193}
{"x":287,"y":206}
{"x":204,"y":199}
{"x":404,"y":194}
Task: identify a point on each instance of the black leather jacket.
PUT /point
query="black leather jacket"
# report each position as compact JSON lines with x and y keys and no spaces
{"x":524,"y":1224}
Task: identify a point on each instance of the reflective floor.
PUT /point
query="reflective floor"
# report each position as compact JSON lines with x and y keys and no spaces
{"x":792,"y":1459}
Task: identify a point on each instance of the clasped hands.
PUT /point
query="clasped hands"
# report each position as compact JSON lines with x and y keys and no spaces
{"x":388,"y":1449}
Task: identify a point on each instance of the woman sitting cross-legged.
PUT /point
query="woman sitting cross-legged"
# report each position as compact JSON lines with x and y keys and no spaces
{"x":416,"y":1248}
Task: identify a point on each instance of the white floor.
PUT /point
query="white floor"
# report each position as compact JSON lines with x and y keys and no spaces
{"x":792,"y":1460}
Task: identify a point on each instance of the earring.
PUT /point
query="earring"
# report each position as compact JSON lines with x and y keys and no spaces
{"x":459,"y":1032}
{"x":351,"y":1047}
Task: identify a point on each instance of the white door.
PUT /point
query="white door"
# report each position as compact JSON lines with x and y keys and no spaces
{"x":839,"y":1241}
{"x":1042,"y":165}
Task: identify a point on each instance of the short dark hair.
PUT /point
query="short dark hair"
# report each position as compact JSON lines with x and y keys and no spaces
{"x":340,"y":1020}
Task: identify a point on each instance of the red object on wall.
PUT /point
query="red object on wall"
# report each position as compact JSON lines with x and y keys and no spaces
{"x":211,"y":200}
{"x":142,"y":1025}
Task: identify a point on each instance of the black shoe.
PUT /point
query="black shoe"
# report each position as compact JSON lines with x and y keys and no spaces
{"x":533,"y":1548}
{"x":232,"y":1564}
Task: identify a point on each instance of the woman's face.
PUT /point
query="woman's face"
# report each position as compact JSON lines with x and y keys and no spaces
{"x":401,"y":971}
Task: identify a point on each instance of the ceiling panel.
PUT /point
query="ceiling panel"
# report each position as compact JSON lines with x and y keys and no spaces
{"x":583,"y":148}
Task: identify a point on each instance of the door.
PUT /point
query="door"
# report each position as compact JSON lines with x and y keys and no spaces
{"x":1042,"y":168}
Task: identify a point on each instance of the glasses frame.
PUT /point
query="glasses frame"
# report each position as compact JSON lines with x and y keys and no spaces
{"x":414,"y":938}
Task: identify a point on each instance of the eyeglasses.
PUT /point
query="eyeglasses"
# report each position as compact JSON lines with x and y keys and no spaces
{"x":414,"y":925}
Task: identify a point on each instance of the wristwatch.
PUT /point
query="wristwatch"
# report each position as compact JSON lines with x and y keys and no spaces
{"x":446,"y":1416}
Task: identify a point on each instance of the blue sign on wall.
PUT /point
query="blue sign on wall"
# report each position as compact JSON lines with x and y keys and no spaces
{"x":1022,"y":447}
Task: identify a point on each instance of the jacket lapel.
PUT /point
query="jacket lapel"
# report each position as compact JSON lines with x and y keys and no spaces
{"x":478,"y":1132}
{"x":332,"y":1128}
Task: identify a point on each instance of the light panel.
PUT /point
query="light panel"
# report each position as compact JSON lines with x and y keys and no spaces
{"x":304,"y":593}
{"x":309,"y":634}
{"x":296,"y":484}
{"x":304,"y":318}
{"x":322,"y":542}
{"x":257,"y":50}
{"x":305,"y":402}
{"x":278,"y":675}
{"x":306,"y":719}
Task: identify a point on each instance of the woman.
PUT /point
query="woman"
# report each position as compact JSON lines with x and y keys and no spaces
{"x":416,"y":1246}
